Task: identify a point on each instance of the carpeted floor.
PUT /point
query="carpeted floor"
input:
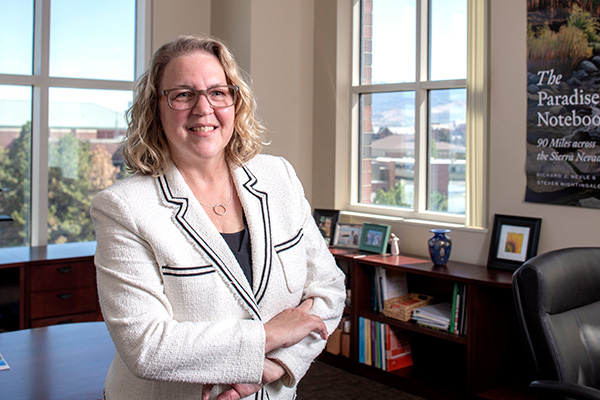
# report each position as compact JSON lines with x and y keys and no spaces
{"x":324,"y":382}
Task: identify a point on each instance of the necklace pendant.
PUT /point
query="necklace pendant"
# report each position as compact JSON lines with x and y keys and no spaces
{"x":220,"y":209}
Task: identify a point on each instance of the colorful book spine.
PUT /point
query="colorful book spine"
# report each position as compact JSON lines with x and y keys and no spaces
{"x":383,"y":347}
{"x":454,"y":312}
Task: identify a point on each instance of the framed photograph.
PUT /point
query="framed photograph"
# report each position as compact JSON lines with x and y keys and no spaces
{"x":514,"y":241}
{"x":347,"y":235}
{"x":326,"y":221}
{"x":374,"y":238}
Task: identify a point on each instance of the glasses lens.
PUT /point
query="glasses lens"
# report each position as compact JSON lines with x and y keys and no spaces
{"x":185,"y":99}
{"x":221,"y":96}
{"x":182,"y":99}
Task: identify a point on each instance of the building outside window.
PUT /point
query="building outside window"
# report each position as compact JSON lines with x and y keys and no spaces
{"x":412,"y":109}
{"x":66,"y":80}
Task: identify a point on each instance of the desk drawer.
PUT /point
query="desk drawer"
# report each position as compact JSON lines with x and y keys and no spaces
{"x":62,"y":276}
{"x":63,"y":302}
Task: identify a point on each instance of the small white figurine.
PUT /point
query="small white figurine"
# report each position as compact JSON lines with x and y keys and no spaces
{"x":394,"y":244}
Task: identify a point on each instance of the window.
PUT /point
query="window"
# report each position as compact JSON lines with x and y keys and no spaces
{"x":66,"y":81}
{"x":418,"y":99}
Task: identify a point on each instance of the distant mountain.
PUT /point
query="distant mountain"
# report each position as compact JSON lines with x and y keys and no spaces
{"x":398,"y":109}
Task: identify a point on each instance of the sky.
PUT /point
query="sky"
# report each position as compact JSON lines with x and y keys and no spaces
{"x":88,"y":39}
{"x":394,"y":37}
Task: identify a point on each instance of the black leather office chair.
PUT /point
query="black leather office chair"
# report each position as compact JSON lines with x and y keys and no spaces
{"x":557,"y":296}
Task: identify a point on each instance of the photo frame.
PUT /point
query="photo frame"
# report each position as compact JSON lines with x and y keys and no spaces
{"x":374,"y":238}
{"x":326,"y":221}
{"x":514,"y":241}
{"x":347,"y":235}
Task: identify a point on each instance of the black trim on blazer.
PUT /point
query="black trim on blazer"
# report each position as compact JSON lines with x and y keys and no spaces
{"x":264,"y":201}
{"x":262,"y":394}
{"x":279,"y":248}
{"x":188,"y":271}
{"x":182,"y":203}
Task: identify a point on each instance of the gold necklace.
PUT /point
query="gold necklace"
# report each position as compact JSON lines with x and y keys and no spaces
{"x":220,"y":209}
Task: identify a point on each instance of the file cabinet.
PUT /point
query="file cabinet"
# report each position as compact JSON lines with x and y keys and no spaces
{"x":62,"y":292}
{"x":48,"y":285}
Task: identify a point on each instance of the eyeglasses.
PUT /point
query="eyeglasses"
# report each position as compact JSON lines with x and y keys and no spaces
{"x":187,"y":98}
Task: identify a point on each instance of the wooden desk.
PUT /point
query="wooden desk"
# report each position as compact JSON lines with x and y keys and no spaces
{"x":60,"y":362}
{"x":47,"y":285}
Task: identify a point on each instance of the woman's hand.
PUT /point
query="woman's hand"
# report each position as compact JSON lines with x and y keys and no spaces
{"x":271,"y":372}
{"x":292,"y":325}
{"x":284,"y":330}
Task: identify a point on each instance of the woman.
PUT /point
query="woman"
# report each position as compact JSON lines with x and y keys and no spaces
{"x":213,"y":278}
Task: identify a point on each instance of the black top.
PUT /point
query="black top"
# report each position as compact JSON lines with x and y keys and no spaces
{"x":239,"y":243}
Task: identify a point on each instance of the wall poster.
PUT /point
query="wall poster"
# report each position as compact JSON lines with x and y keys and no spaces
{"x":563,"y":103}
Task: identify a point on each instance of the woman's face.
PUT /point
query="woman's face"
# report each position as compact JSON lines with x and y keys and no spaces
{"x":201,"y":133}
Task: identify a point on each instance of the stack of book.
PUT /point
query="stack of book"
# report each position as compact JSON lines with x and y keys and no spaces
{"x":383,"y":346}
{"x":435,"y":316}
{"x":445,"y":316}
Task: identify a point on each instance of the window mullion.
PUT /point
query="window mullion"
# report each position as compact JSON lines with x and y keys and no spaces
{"x":421,"y":101}
{"x":143,"y":45}
{"x":39,"y":126}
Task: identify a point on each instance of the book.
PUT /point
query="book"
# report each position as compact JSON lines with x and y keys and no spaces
{"x":434,"y":315}
{"x":387,"y":284}
{"x":368,"y":349}
{"x":378,"y":288}
{"x":463,"y":311}
{"x":398,"y":354}
{"x":454,"y":312}
{"x":361,"y":340}
{"x":395,"y":284}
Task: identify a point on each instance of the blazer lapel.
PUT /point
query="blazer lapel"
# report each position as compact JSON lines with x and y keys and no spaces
{"x":193,"y":220}
{"x":256,"y":208}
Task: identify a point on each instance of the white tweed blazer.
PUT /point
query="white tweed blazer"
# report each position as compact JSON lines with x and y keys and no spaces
{"x":178,"y":305}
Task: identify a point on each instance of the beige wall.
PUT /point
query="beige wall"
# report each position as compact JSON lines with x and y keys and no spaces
{"x":282,"y":70}
{"x":300,"y":65}
{"x":171,"y":18}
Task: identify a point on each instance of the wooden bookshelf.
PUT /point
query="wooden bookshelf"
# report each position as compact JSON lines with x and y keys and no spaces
{"x":490,"y":361}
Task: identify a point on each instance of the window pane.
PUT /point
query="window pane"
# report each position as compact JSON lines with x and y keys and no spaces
{"x":388,"y":41}
{"x":92,"y":39}
{"x":388,"y":149}
{"x":448,"y":39}
{"x":15,"y":165}
{"x":447,"y":150}
{"x":16,"y":37}
{"x":86,"y":130}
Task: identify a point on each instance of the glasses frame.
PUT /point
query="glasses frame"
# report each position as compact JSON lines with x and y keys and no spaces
{"x":204,"y":92}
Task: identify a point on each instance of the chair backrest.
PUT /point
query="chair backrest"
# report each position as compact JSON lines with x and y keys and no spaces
{"x":557,"y":296}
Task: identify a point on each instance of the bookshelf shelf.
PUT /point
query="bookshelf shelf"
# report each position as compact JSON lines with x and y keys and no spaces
{"x":489,"y":357}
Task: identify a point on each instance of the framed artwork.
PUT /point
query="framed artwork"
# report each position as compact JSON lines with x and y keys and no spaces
{"x":326,"y":221}
{"x":514,"y":241}
{"x":347,"y":235}
{"x":374,"y":238}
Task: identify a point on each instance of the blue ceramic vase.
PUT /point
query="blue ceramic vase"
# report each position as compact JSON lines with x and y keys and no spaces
{"x":439,"y":246}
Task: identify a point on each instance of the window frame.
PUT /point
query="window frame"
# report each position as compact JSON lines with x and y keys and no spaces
{"x":40,"y":81}
{"x":477,"y":112}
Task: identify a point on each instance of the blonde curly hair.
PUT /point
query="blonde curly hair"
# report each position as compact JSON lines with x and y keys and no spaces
{"x":146,"y":150}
